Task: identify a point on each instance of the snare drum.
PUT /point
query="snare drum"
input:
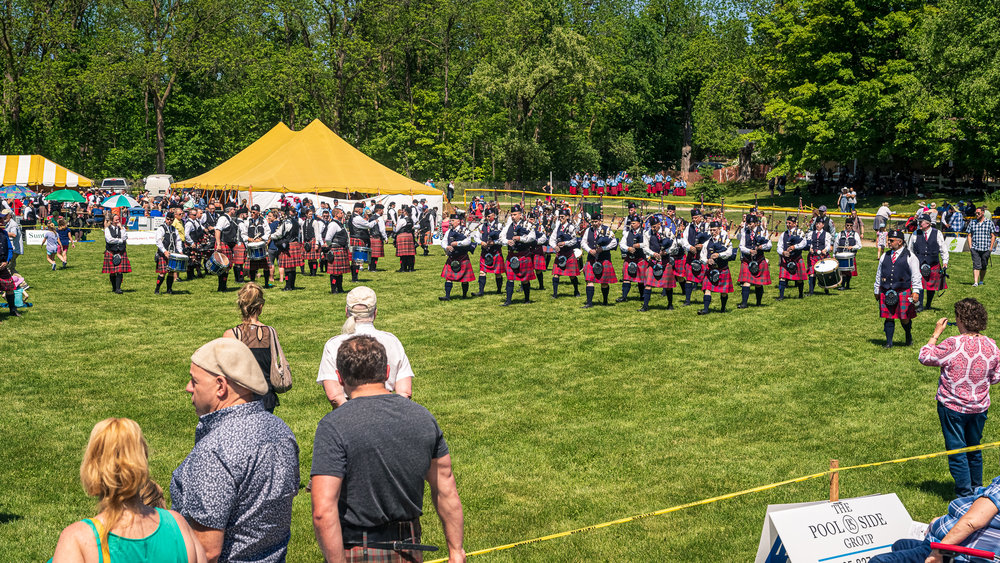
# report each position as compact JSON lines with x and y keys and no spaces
{"x":217,"y":264}
{"x":177,"y":262}
{"x":257,"y":250}
{"x":360,"y":254}
{"x":845,"y":261}
{"x":827,"y":273}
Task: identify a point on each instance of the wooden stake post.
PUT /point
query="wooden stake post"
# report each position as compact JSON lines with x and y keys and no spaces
{"x":834,"y":481}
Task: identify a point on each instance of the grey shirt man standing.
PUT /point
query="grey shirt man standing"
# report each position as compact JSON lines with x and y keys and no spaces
{"x":236,"y":486}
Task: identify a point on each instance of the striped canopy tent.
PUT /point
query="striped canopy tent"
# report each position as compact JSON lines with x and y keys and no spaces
{"x":36,"y":170}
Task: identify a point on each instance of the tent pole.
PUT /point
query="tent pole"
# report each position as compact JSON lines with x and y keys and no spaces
{"x":251,"y":195}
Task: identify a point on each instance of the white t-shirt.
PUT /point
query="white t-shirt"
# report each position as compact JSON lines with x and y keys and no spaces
{"x":399,"y":364}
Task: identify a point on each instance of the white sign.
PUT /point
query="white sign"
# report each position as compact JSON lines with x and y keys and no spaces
{"x":849,"y":531}
{"x":956,"y":244}
{"x":37,"y":237}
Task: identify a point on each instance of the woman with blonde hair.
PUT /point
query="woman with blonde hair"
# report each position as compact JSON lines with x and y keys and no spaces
{"x":115,"y":469}
{"x":258,"y":337}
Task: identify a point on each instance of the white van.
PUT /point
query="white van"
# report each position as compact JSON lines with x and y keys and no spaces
{"x":158,"y":184}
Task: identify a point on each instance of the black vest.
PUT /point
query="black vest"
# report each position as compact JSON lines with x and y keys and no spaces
{"x":230,"y":232}
{"x":817,"y":241}
{"x":404,"y":225}
{"x":750,"y":241}
{"x":656,"y":241}
{"x":211,"y":219}
{"x":895,"y":275}
{"x":255,"y":228}
{"x":847,"y":241}
{"x":198,"y":232}
{"x":339,"y":239}
{"x":453,"y":236}
{"x":308,"y":232}
{"x":926,"y":251}
{"x":515,"y":229}
{"x":630,"y":239}
{"x":793,"y":253}
{"x":375,"y":232}
{"x":169,"y":237}
{"x":115,"y":247}
{"x":358,"y":232}
{"x":425,"y":221}
{"x":602,"y":255}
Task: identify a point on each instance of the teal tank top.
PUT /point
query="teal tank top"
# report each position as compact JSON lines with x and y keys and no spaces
{"x":166,"y":544}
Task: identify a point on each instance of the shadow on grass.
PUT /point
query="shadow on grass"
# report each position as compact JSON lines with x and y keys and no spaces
{"x":5,"y":517}
{"x":943,"y":489}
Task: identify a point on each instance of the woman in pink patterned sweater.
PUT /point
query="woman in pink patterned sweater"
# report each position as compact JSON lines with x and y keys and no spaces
{"x":970,"y":363}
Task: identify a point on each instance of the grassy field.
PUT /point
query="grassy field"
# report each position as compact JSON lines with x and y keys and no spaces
{"x":556,"y":417}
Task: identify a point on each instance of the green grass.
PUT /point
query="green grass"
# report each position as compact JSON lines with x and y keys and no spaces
{"x":557,"y":417}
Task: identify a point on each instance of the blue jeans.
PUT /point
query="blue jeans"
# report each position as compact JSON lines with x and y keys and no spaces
{"x":960,"y":431}
{"x":905,"y":551}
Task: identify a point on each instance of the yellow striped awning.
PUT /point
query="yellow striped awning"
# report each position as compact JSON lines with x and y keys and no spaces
{"x":36,"y":170}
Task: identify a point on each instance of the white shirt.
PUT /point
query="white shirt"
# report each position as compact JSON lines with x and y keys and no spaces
{"x":916,"y":281}
{"x":399,"y":364}
{"x":884,"y":212}
{"x":926,"y":235}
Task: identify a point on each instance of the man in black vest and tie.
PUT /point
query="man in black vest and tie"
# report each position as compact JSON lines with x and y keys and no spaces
{"x":226,"y":237}
{"x":928,"y":245}
{"x":898,"y":287}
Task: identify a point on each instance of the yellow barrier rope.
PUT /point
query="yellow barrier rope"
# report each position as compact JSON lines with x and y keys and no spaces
{"x":723,"y":497}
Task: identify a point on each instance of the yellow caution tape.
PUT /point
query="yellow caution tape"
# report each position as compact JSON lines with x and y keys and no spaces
{"x":723,"y":497}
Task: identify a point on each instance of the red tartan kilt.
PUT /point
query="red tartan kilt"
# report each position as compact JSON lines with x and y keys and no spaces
{"x":498,"y":264}
{"x":7,"y":284}
{"x":799,"y":275}
{"x":291,"y":258}
{"x":161,"y":264}
{"x":226,"y":251}
{"x":378,"y":248}
{"x":465,"y":274}
{"x":658,"y":187}
{"x":935,"y":281}
{"x":681,"y":192}
{"x":725,"y":284}
{"x":600,"y":190}
{"x":312,"y":252}
{"x":109,"y":267}
{"x":762,"y":278}
{"x":239,"y":255}
{"x":813,"y":258}
{"x":666,"y":281}
{"x":358,"y":554}
{"x":689,"y":274}
{"x":526,"y":271}
{"x":572,"y":268}
{"x":680,"y":265}
{"x":586,"y":191}
{"x":259,"y":264}
{"x":427,"y":239}
{"x":341,"y":263}
{"x":640,"y":275}
{"x":607,"y":276}
{"x":538,"y":256}
{"x":405,"y":245}
{"x":649,"y":188}
{"x":573,"y":190}
{"x":905,"y":309}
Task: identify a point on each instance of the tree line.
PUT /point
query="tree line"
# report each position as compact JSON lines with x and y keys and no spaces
{"x":505,"y":90}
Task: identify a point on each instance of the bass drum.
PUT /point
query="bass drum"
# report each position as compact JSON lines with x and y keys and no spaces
{"x":827,"y":273}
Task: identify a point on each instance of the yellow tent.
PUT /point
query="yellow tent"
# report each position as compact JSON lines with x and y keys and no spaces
{"x":36,"y":170}
{"x":312,"y":160}
{"x":221,"y":175}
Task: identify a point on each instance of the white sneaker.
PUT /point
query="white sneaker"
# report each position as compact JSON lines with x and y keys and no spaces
{"x":975,"y":284}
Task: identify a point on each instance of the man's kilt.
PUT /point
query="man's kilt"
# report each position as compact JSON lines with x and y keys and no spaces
{"x":689,"y":274}
{"x":905,"y":309}
{"x":680,"y":264}
{"x":607,"y":276}
{"x":572,"y":268}
{"x":935,"y":281}
{"x":498,"y":262}
{"x":291,"y":257}
{"x":378,"y":248}
{"x":813,"y":258}
{"x":312,"y":251}
{"x":538,"y":256}
{"x":161,"y":263}
{"x":341,"y":263}
{"x":7,"y":284}
{"x":666,"y":281}
{"x":358,"y":554}
{"x":227,"y":251}
{"x":465,"y":274}
{"x":640,"y":274}
{"x":526,"y":269}
{"x":725,"y":284}
{"x":801,"y":274}
{"x":125,"y":267}
{"x":405,"y":245}
{"x":763,"y":277}
{"x":426,"y":239}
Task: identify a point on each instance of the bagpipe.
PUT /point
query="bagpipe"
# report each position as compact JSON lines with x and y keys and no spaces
{"x":792,"y":262}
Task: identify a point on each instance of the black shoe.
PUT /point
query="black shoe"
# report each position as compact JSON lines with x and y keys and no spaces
{"x":742,"y":306}
{"x":576,"y":294}
{"x":704,"y":312}
{"x":170,"y":292}
{"x":15,"y":314}
{"x":908,"y":342}
{"x":887,"y":345}
{"x":286,"y":289}
{"x":555,"y":296}
{"x":587,"y":305}
{"x":118,"y":291}
{"x":809,"y":293}
{"x":686,"y":303}
{"x":620,"y":300}
{"x":478,"y":294}
{"x":643,"y":309}
{"x":920,"y":308}
{"x":779,"y":298}
{"x":156,"y":291}
{"x":670,"y":307}
{"x":268,"y":286}
{"x":505,"y":304}
{"x":443,"y":298}
{"x":841,"y":288}
{"x":400,"y":270}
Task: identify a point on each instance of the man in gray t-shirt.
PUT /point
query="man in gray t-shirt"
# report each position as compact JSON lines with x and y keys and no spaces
{"x":371,"y":457}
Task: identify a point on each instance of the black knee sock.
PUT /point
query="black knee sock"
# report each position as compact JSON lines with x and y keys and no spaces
{"x":121,"y":278}
{"x":548,"y":258}
{"x":267,"y":276}
{"x":447,"y":289}
{"x":930,"y":297}
{"x":687,"y":293}
{"x":801,"y":286}
{"x":190,"y":272}
{"x":847,"y":281}
{"x":555,"y":286}
{"x":781,"y":287}
{"x":159,"y":281}
{"x":642,"y":288}
{"x":482,"y":283}
{"x":11,"y":304}
{"x":723,"y":299}
{"x":333,"y":283}
{"x":906,"y":329}
{"x":645,"y":297}
{"x":745,"y":294}
{"x":238,"y":270}
{"x":222,"y":282}
{"x":590,"y":294}
{"x":758,"y":293}
{"x":526,"y":288}
{"x":499,"y":283}
{"x":291,"y":278}
{"x":510,"y":290}
{"x":890,"y":329}
{"x":465,"y":289}
{"x":114,"y":278}
{"x":312,"y":267}
{"x":605,"y":290}
{"x":626,"y":287}
{"x":707,"y":300}
{"x":576,"y":285}
{"x":812,"y":284}
{"x":354,"y":273}
{"x":170,"y":281}
{"x":670,"y":298}
{"x":253,"y":275}
{"x":340,"y":283}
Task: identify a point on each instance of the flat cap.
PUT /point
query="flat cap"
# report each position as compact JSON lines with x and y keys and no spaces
{"x":232,"y":359}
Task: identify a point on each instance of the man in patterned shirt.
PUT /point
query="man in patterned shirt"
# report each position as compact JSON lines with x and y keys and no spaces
{"x":982,"y":239}
{"x":236,"y":486}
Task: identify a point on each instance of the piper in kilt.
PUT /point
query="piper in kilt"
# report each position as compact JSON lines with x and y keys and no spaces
{"x":256,"y":229}
{"x":597,"y":243}
{"x":657,"y":243}
{"x":538,"y":248}
{"x":359,"y":228}
{"x":633,"y":257}
{"x":849,"y":241}
{"x":194,"y":238}
{"x":338,"y":261}
{"x":491,"y":261}
{"x":226,"y":238}
{"x":754,"y":267}
{"x":790,"y":264}
{"x":240,"y":251}
{"x":898,"y":286}
{"x":115,"y":238}
{"x":716,"y":254}
{"x":378,"y":237}
{"x":425,"y":223}
{"x":518,"y":235}
{"x":286,"y":239}
{"x":927,"y":244}
{"x":457,"y":243}
{"x":406,"y":248}
{"x":564,"y":239}
{"x":820,"y":245}
{"x":168,"y":240}
{"x":692,"y":241}
{"x":312,"y":239}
